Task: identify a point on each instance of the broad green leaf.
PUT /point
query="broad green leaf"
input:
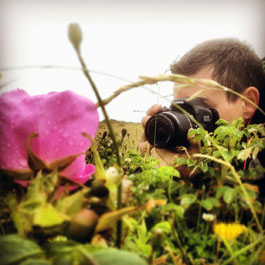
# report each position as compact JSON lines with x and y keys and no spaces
{"x":229,"y":195}
{"x":222,"y":122}
{"x":21,"y":219}
{"x":47,"y":216}
{"x":108,"y":219}
{"x":188,"y":199}
{"x":118,"y":257}
{"x":228,"y":155}
{"x":15,"y":248}
{"x":210,"y":203}
{"x":164,"y":226}
{"x":70,"y":205}
{"x":36,"y":262}
{"x":220,"y":191}
{"x":181,"y":161}
{"x":168,"y":172}
{"x":49,"y":182}
{"x":35,"y":189}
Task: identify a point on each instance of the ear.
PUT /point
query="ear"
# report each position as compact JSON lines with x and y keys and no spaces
{"x":252,"y":93}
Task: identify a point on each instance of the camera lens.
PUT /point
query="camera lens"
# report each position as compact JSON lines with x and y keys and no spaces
{"x":167,"y":129}
{"x":159,"y":130}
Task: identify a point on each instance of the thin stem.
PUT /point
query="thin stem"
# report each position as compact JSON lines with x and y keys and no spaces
{"x":176,"y":237}
{"x":242,"y":250}
{"x":237,"y":177}
{"x":230,"y":251}
{"x":116,"y":147}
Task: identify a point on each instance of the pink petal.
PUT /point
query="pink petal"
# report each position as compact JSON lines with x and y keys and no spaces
{"x":58,"y":118}
{"x":18,"y":118}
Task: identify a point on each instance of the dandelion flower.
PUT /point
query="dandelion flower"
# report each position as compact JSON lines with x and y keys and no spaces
{"x":228,"y":231}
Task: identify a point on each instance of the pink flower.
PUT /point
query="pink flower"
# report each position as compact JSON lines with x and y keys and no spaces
{"x":58,"y":119}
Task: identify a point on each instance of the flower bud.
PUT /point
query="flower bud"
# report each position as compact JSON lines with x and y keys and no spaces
{"x":82,"y":226}
{"x":75,"y":35}
{"x":113,"y":176}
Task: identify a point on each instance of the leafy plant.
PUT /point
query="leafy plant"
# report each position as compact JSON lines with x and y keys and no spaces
{"x":215,"y":217}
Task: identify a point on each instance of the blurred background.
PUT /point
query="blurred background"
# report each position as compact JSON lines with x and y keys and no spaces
{"x":122,"y":40}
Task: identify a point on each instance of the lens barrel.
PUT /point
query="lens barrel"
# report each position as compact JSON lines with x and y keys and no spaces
{"x":168,"y":129}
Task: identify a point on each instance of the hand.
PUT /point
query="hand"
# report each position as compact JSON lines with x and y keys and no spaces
{"x":167,"y":157}
{"x":150,"y":112}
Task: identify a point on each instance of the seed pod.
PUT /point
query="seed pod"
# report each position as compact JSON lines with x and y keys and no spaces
{"x":82,"y":225}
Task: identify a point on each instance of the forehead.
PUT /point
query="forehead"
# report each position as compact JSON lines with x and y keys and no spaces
{"x":189,"y":91}
{"x":209,"y":94}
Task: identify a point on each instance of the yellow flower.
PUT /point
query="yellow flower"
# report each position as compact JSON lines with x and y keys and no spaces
{"x":228,"y":231}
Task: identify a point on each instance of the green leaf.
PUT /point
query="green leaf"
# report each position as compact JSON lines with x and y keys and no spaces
{"x":167,"y":172}
{"x":228,"y":155}
{"x":210,"y":203}
{"x":118,"y":257}
{"x":181,"y":161}
{"x":47,"y":216}
{"x":21,"y":219}
{"x":164,"y":226}
{"x":15,"y":248}
{"x":220,"y":191}
{"x":188,"y":199}
{"x":71,"y":205}
{"x":222,"y":122}
{"x":35,"y":189}
{"x":176,"y":208}
{"x":36,"y":262}
{"x":229,"y":195}
{"x":108,"y":219}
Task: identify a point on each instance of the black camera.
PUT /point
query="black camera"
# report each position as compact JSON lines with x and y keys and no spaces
{"x":168,"y":128}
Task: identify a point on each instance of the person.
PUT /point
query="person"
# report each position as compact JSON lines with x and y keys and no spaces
{"x":231,"y":63}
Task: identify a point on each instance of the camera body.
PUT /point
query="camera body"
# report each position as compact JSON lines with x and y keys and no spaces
{"x":169,"y":128}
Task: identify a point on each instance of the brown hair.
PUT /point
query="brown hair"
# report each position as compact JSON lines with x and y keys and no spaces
{"x":234,"y":63}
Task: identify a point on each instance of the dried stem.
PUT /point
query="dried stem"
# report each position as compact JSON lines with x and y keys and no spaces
{"x":183,"y":80}
{"x":237,"y":177}
{"x":100,"y":103}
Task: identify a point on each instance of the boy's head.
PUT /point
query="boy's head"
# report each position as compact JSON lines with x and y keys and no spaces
{"x":232,"y":64}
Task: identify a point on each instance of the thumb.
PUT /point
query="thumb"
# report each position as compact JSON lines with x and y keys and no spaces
{"x":194,"y":144}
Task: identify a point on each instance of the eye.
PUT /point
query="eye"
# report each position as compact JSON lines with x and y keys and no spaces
{"x":208,"y":102}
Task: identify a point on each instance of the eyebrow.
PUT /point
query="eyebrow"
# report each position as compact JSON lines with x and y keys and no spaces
{"x":208,"y":101}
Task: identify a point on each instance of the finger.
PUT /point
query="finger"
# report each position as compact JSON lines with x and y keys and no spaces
{"x":154,"y":109}
{"x":193,"y":142}
{"x":144,"y":120}
{"x":143,"y":138}
{"x":143,"y":147}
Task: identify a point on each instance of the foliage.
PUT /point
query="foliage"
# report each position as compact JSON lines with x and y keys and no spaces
{"x":215,"y":216}
{"x":171,"y":218}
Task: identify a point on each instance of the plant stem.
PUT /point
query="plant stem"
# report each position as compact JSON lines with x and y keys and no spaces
{"x":182,"y":250}
{"x":116,"y":147}
{"x":237,"y":177}
{"x":230,"y":251}
{"x":241,"y":251}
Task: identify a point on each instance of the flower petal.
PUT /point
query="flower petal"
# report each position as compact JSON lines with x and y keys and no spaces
{"x":58,"y":118}
{"x":18,"y":116}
